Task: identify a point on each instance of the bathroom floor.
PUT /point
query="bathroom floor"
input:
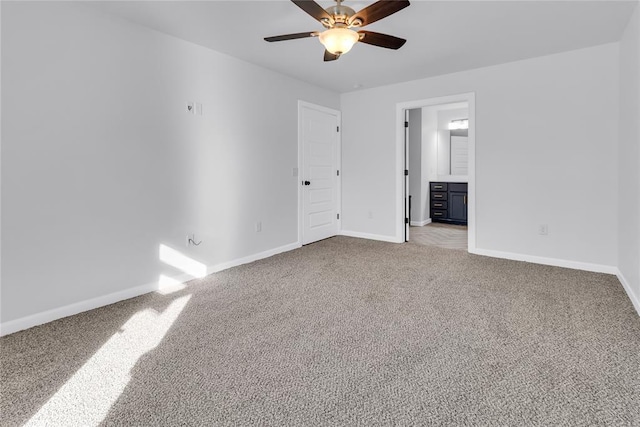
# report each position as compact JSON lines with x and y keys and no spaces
{"x":448,"y":236}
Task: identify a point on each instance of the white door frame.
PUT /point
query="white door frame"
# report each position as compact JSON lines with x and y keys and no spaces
{"x":470,"y":98}
{"x":338,"y":114}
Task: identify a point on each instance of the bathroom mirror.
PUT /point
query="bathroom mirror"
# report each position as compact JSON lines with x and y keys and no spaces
{"x":453,"y":153}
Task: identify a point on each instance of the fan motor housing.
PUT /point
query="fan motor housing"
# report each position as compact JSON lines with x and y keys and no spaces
{"x":340,"y":15}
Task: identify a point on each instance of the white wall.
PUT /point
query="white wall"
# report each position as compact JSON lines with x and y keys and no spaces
{"x":429,"y":154}
{"x":415,"y":165}
{"x":101,"y":164}
{"x":430,"y":142}
{"x":629,"y":158}
{"x":546,"y":153}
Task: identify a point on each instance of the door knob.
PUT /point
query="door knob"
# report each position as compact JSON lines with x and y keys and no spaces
{"x":307,"y":183}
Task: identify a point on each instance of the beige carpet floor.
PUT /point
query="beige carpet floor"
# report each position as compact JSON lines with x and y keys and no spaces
{"x":448,"y":236}
{"x":341,"y":332}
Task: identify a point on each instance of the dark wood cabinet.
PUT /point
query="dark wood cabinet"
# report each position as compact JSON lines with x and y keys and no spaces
{"x":458,"y":207}
{"x":448,"y":202}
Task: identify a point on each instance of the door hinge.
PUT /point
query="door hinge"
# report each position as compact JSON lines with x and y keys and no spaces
{"x":406,"y":124}
{"x":338,"y":216}
{"x":406,"y":172}
{"x":337,"y":173}
{"x":406,"y":220}
{"x":337,"y":128}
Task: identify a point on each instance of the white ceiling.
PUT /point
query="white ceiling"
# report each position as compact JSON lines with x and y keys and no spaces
{"x":443,"y":36}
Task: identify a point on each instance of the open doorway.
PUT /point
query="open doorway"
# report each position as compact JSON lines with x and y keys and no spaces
{"x":439,"y":172}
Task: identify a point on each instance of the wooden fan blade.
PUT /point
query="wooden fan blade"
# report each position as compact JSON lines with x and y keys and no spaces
{"x":381,"y":40}
{"x":328,"y":56}
{"x":313,"y":9}
{"x":291,"y":36}
{"x":378,"y":10}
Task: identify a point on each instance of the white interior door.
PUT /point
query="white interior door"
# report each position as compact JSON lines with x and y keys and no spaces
{"x":406,"y":176}
{"x":320,"y":136}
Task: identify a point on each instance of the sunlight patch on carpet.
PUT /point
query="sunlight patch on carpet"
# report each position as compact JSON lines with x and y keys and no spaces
{"x":168,"y":285}
{"x":86,"y":398}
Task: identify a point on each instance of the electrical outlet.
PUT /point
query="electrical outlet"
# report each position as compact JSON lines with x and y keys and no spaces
{"x":191,"y":108}
{"x":258,"y":226}
{"x":543,"y":229}
{"x":198,"y":111}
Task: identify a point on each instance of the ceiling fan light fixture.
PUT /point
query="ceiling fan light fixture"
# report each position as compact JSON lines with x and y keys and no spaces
{"x":338,"y":40}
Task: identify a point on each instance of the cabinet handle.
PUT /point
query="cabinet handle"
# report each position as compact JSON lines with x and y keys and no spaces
{"x":437,"y":196}
{"x":437,"y":187}
{"x":465,"y":200}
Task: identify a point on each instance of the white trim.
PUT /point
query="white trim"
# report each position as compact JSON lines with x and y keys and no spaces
{"x":338,"y":114}
{"x":420,"y":223}
{"x":576,"y":265}
{"x":627,"y":287}
{"x":30,"y":321}
{"x":380,"y":237}
{"x":26,"y":322}
{"x":452,"y":178}
{"x":255,"y":257}
{"x":470,"y":98}
{"x":300,"y":166}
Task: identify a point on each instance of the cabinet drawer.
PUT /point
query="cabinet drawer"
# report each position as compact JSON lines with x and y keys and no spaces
{"x":459,"y":187}
{"x":438,"y":186}
{"x":437,"y":195}
{"x":436,"y":213}
{"x":438,"y":204}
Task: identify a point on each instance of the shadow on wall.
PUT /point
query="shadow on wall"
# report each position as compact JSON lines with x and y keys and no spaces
{"x":89,"y":357}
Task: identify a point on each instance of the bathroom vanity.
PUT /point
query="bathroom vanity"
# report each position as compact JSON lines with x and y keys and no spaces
{"x":448,"y":202}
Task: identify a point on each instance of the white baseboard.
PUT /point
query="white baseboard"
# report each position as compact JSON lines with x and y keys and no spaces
{"x":635,"y":300}
{"x":576,"y":265}
{"x":27,"y":322}
{"x":391,"y":239}
{"x":420,"y":223}
{"x":255,"y":257}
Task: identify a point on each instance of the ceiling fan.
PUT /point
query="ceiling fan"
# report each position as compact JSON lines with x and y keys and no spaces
{"x":339,"y":21}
